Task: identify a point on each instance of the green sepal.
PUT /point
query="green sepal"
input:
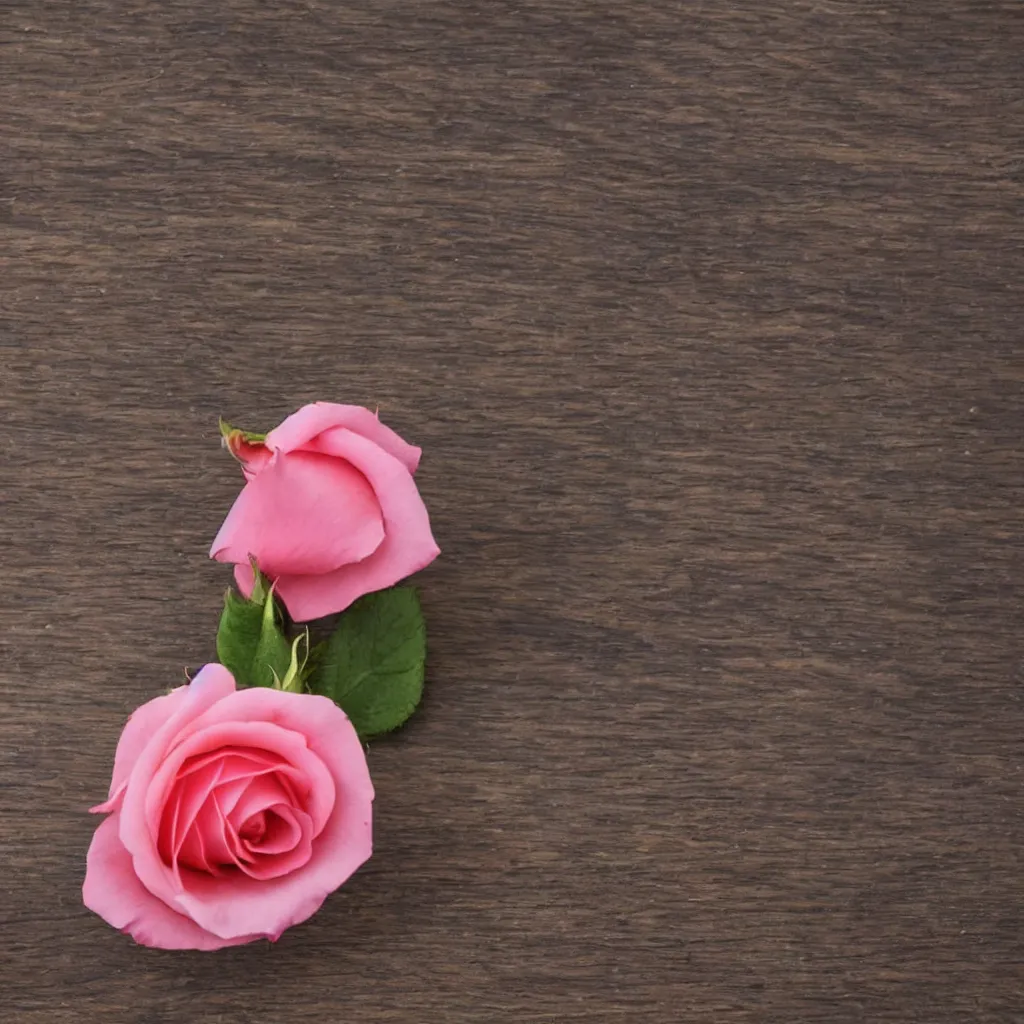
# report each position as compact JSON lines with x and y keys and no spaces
{"x":260,"y":583}
{"x":273,"y":653}
{"x":250,"y":641}
{"x":294,"y":680}
{"x":372,"y":666}
{"x":227,"y":432}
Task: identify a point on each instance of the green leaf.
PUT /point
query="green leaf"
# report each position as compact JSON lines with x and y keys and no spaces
{"x":372,"y":665}
{"x":315,"y":656}
{"x":250,"y":642}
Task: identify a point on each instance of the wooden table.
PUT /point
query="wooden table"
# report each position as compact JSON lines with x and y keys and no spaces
{"x":708,"y":318}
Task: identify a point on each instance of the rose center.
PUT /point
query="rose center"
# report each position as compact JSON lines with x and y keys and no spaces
{"x":236,"y":808}
{"x":255,"y":828}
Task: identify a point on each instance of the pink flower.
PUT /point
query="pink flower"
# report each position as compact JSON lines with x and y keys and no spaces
{"x":330,"y":510}
{"x":231,"y":815}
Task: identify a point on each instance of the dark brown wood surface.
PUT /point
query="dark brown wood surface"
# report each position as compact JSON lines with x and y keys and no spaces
{"x":708,"y":317}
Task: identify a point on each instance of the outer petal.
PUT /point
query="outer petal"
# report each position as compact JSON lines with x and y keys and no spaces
{"x":237,"y":905}
{"x":408,"y":544}
{"x":138,"y":731}
{"x":244,"y":578}
{"x":113,"y":891}
{"x":212,"y":683}
{"x":304,"y":513}
{"x":301,"y":430}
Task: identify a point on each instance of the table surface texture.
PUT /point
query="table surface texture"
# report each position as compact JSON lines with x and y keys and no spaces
{"x":708,"y":318}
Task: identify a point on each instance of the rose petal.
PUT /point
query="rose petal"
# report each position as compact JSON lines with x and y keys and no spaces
{"x":236,"y":852}
{"x":254,"y":828}
{"x":112,"y":890}
{"x":282,"y":831}
{"x":293,"y":833}
{"x":291,"y":785}
{"x":178,"y":818}
{"x":231,"y":791}
{"x":238,"y":762}
{"x":303,"y":513}
{"x":303,"y":429}
{"x":261,"y":793}
{"x":192,"y":855}
{"x":139,"y":729}
{"x":244,"y":578}
{"x":408,"y":544}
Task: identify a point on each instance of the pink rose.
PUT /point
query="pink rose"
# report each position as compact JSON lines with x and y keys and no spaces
{"x":231,"y":815}
{"x":330,"y":510}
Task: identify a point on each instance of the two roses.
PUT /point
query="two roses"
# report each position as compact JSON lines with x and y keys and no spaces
{"x":233,"y":813}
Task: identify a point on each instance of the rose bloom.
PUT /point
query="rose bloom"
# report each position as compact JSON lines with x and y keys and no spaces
{"x":330,"y":510}
{"x":231,"y":815}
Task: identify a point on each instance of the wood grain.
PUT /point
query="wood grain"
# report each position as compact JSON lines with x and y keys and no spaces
{"x":708,"y":318}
